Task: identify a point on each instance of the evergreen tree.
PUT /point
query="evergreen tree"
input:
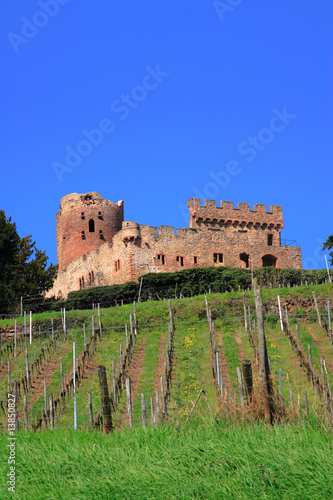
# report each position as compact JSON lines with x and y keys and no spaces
{"x":23,"y":268}
{"x":329,"y":245}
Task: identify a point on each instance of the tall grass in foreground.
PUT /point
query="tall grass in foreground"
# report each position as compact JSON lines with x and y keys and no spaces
{"x":201,"y":462}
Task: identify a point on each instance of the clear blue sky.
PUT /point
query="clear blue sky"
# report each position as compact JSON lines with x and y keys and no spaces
{"x":228,"y":100}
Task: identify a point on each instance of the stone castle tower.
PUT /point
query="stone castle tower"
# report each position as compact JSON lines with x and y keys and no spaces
{"x":84,"y":223}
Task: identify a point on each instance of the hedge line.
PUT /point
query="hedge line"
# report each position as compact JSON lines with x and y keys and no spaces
{"x":189,"y":282}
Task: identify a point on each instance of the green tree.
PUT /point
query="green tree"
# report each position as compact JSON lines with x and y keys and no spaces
{"x":23,"y":268}
{"x":329,"y":245}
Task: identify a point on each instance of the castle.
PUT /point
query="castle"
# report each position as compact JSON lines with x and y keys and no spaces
{"x":97,"y":247}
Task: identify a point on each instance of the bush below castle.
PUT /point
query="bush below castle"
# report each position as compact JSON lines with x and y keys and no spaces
{"x":188,"y":283}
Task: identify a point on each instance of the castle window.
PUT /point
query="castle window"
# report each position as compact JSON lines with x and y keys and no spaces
{"x":269,"y":261}
{"x":269,"y":240}
{"x":80,"y":282}
{"x":218,"y":258}
{"x":244,"y":257}
{"x":92,"y":277}
{"x":83,"y":236}
{"x":91,"y":226}
{"x":101,"y":236}
{"x":89,"y":278}
{"x":195,"y":260}
{"x":117,"y":265}
{"x":161,"y":259}
{"x":82,"y":216}
{"x":180,"y":260}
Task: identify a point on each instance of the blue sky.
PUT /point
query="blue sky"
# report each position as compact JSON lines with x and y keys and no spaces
{"x":155,"y":102}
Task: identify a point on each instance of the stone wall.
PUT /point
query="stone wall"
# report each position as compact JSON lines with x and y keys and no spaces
{"x":84,"y":223}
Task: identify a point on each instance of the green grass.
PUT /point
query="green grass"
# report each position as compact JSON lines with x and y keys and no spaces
{"x":202,"y":462}
{"x":192,"y":372}
{"x":149,"y":369}
{"x":231,"y":350}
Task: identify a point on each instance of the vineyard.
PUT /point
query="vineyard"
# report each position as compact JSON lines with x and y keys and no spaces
{"x":170,"y":361}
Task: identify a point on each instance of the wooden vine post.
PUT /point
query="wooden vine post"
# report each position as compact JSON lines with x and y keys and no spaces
{"x":25,"y":411}
{"x":15,"y":338}
{"x":245,"y":314}
{"x":105,"y":399}
{"x":143,"y":410}
{"x":27,"y":361}
{"x":264,"y":370}
{"x":91,"y":418}
{"x":129,"y":401}
{"x":99,"y":321}
{"x":317,"y":308}
{"x":247,"y":378}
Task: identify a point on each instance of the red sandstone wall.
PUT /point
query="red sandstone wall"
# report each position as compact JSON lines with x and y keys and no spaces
{"x":73,"y":218}
{"x":217,"y":236}
{"x":135,"y":249}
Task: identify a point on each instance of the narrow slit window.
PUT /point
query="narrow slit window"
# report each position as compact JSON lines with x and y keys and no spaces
{"x":83,"y":236}
{"x":161,"y":259}
{"x":180,"y":260}
{"x":82,"y":216}
{"x":218,"y":258}
{"x":92,"y":277}
{"x":269,"y":240}
{"x":101,"y":236}
{"x":195,"y":260}
{"x":91,"y":226}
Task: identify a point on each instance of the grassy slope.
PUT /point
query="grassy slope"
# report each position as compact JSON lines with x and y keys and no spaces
{"x":202,"y":461}
{"x":157,"y":463}
{"x":192,"y":362}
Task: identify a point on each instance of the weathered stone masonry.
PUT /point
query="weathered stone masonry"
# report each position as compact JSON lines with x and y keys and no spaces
{"x":97,"y":247}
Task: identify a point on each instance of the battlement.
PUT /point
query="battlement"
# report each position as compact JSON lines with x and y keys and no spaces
{"x":130,"y":231}
{"x":226,"y":213}
{"x":147,"y":231}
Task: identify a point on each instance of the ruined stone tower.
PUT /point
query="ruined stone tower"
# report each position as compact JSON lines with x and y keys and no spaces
{"x":84,"y":223}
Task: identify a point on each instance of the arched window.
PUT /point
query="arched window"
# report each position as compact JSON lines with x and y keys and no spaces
{"x":80,"y":282}
{"x":244,"y":257}
{"x":92,"y":277}
{"x":91,"y":226}
{"x":269,"y":260}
